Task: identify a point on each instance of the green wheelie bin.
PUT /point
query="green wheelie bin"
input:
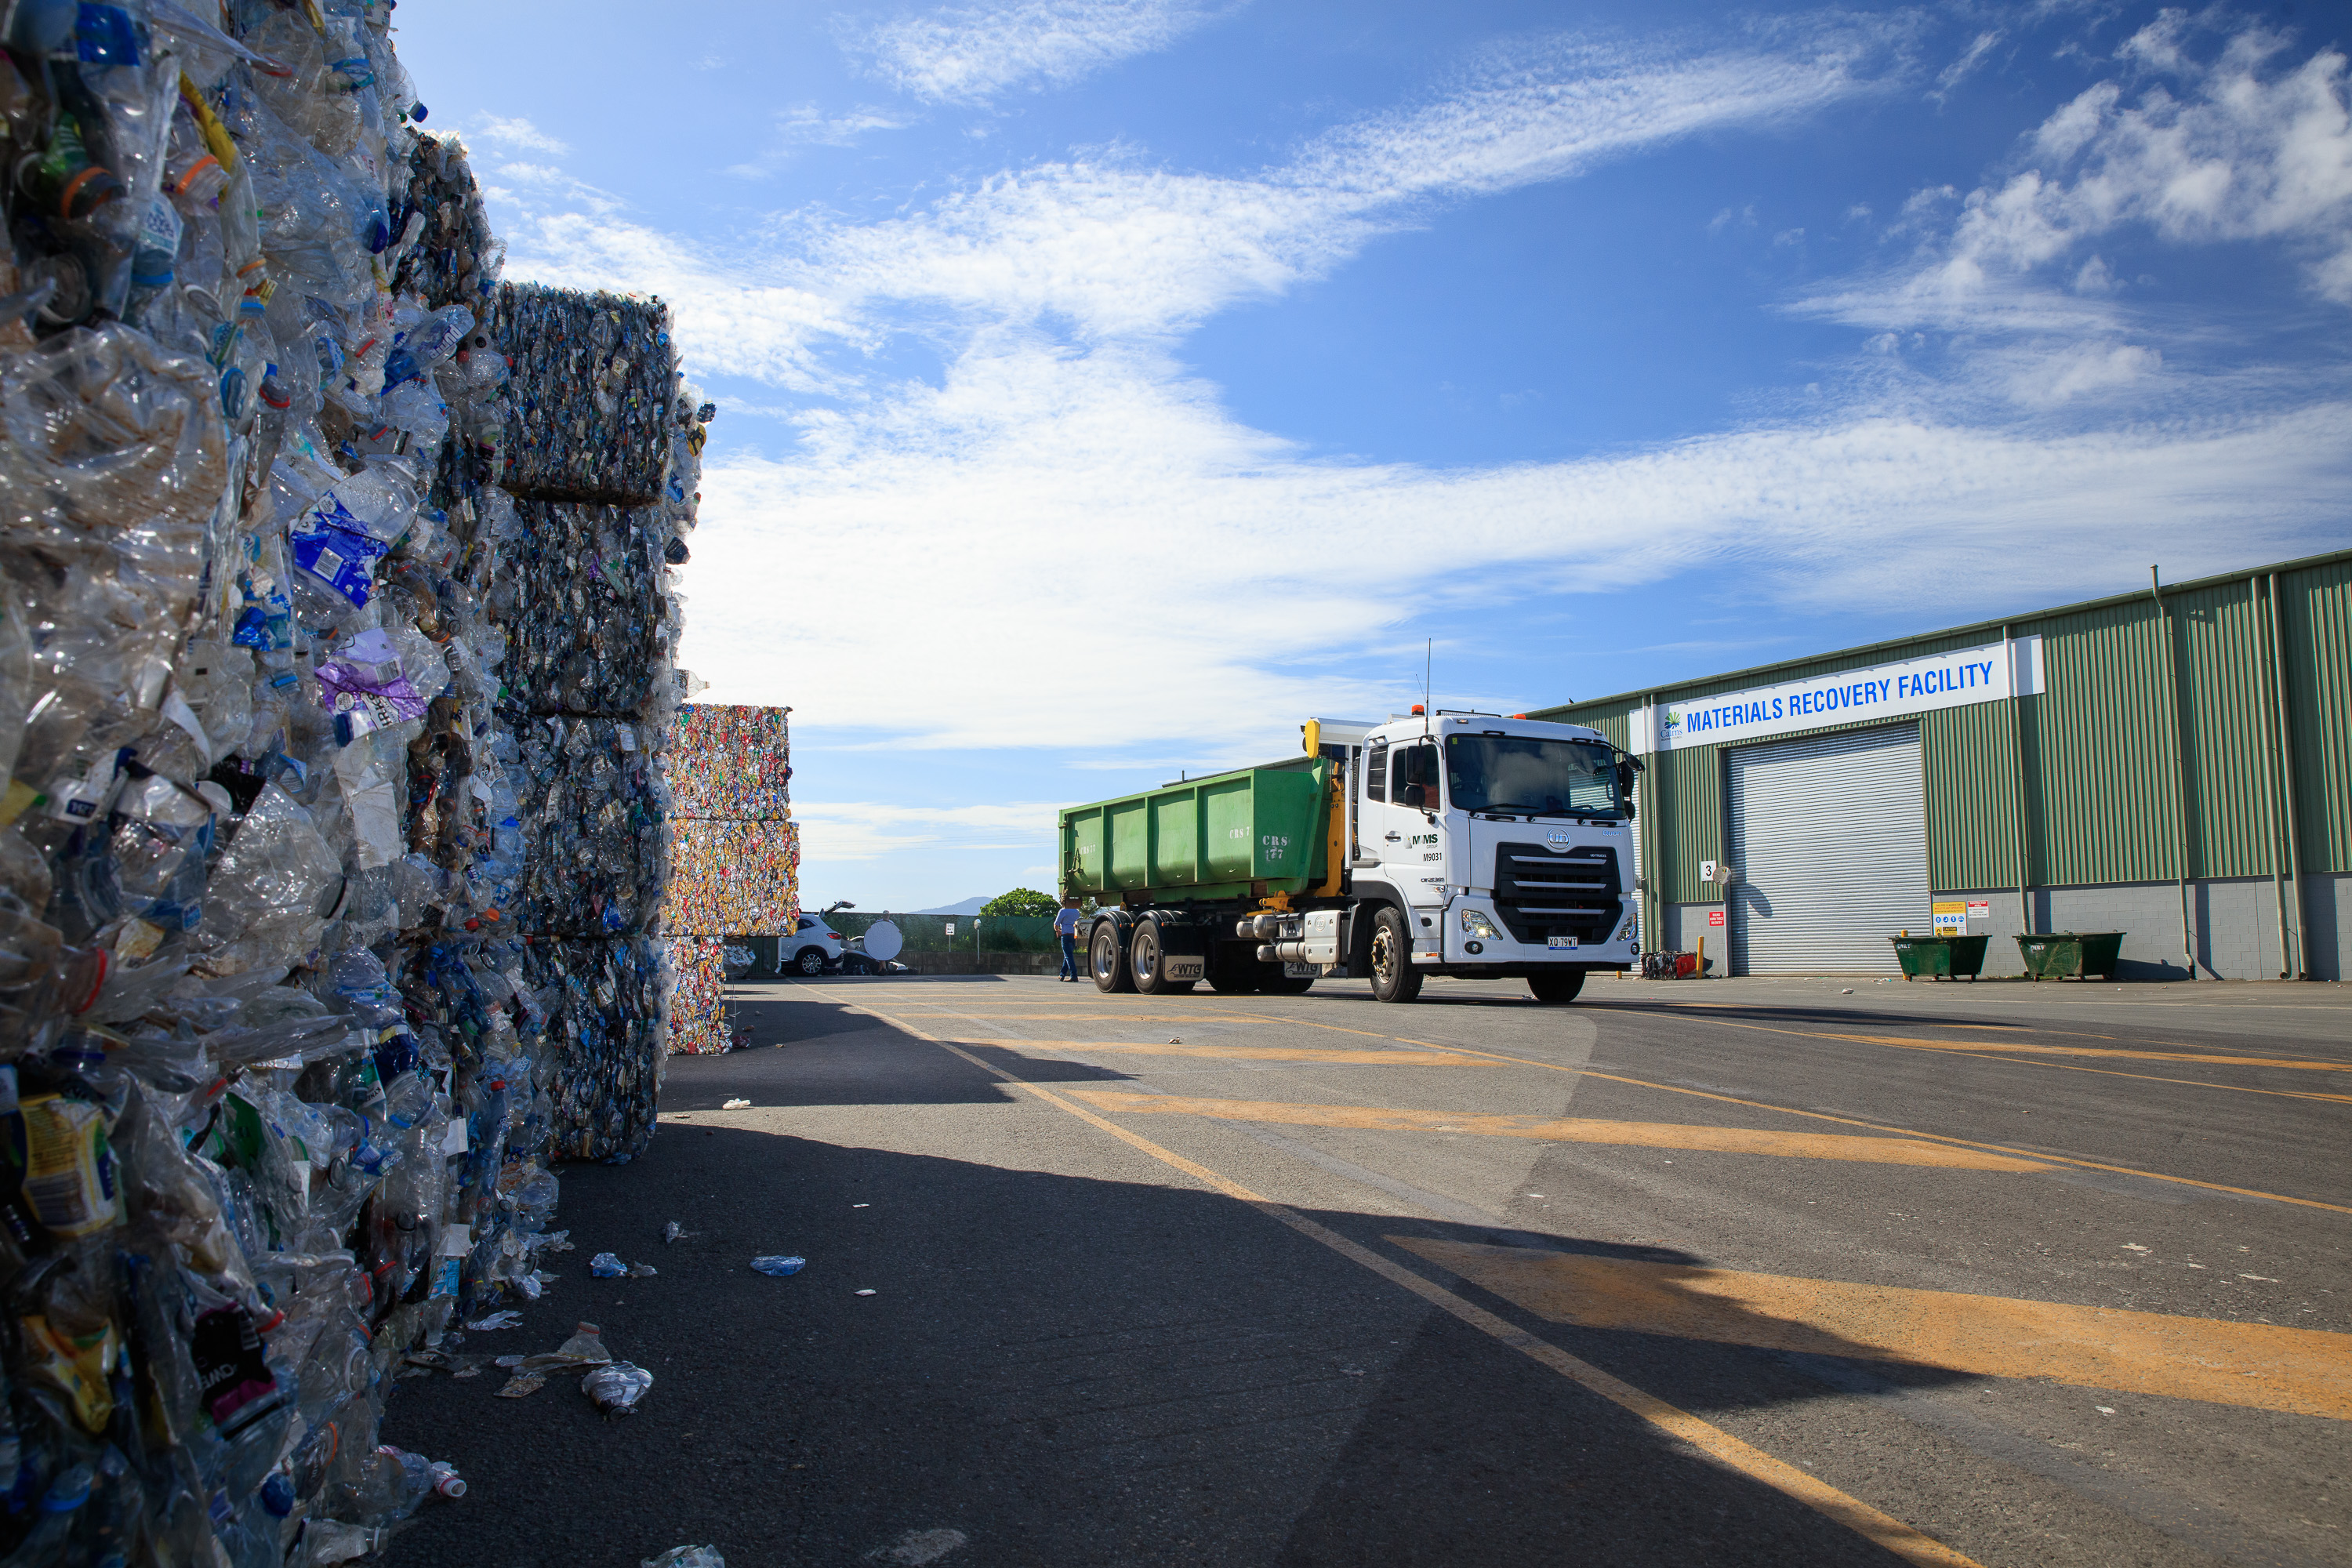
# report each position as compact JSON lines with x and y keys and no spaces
{"x":1939,"y":957}
{"x":2055,"y":955}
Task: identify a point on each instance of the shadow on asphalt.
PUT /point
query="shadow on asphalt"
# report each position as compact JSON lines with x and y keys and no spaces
{"x":1067,"y":1369}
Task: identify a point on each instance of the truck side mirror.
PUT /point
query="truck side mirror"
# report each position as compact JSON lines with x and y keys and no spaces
{"x":1625,"y":771}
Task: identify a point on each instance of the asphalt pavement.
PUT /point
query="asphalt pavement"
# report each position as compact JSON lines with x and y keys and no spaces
{"x":1769,"y":1271}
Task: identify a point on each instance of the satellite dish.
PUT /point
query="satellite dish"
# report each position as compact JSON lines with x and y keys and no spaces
{"x":883,"y":941}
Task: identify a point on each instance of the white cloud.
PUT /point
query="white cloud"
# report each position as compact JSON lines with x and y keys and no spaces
{"x":1979,"y":49}
{"x":1062,"y":484}
{"x":2237,"y":148}
{"x":838,"y":830}
{"x":1207,"y":582}
{"x":500,"y":130}
{"x":807,"y":125}
{"x":970,"y":54}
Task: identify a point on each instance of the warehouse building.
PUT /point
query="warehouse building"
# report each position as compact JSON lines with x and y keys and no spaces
{"x":2174,"y":763}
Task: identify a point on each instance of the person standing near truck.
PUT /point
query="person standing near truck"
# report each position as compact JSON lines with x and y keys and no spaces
{"x":1065,"y":926}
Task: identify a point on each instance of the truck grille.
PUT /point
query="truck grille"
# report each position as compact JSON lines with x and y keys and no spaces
{"x":1540,"y":894}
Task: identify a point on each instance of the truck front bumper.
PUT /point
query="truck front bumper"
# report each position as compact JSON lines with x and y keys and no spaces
{"x":1485,"y":946}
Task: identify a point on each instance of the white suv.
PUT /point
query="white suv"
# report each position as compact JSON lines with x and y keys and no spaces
{"x":813,"y":948}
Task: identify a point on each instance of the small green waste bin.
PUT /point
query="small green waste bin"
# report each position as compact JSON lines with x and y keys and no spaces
{"x":2053,"y":955}
{"x":1939,"y":957}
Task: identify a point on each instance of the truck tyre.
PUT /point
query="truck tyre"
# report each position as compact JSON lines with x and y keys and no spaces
{"x":1143,"y":962}
{"x":1394,"y":979}
{"x":809,"y":961}
{"x":1109,"y":965}
{"x":1562,"y":987}
{"x":1234,"y":977}
{"x":1287,"y":984}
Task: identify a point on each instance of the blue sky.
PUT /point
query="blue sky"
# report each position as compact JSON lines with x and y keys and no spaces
{"x":1106,"y":385}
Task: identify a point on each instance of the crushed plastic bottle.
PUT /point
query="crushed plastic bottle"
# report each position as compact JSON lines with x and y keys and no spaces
{"x":686,"y":1557}
{"x":617,"y":1388}
{"x":778,"y":1265}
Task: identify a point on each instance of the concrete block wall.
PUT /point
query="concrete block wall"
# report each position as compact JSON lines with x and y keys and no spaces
{"x":2233,"y":925}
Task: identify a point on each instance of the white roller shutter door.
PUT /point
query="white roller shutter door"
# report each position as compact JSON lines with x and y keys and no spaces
{"x":1830,"y":835}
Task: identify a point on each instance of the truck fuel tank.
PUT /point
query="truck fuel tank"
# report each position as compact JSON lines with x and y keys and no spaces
{"x":1316,"y":937}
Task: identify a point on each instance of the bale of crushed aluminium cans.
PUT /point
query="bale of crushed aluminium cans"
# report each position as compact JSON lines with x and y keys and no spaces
{"x":580,"y":593}
{"x":589,"y":416}
{"x":731,"y":878}
{"x":594,"y":824}
{"x":697,"y":1023}
{"x":607,"y":1005}
{"x":729,"y":761}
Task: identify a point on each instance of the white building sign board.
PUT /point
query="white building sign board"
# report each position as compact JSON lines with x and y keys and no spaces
{"x":1988,"y":673}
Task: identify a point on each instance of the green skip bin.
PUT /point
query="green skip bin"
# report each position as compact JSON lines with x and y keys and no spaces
{"x":2054,"y":956}
{"x":1939,"y":957}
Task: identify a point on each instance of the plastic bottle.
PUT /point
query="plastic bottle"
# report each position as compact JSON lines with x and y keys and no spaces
{"x":50,"y":1541}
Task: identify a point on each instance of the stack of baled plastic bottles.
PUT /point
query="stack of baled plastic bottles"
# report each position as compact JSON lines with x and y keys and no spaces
{"x":330,"y":837}
{"x":593,"y":467}
{"x":735,"y":854}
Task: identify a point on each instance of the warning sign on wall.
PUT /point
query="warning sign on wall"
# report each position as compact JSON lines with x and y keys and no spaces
{"x":1715,"y":919}
{"x":1951,"y":916}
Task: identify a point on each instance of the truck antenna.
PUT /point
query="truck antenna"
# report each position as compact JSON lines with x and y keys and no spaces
{"x":1428,"y":665}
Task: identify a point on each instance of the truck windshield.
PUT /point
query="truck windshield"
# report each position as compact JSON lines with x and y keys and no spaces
{"x":1530,"y":775}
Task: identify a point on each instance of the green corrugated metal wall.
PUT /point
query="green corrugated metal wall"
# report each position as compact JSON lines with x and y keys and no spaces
{"x":2101,"y":772}
{"x":2316,"y":615}
{"x":1970,"y":758}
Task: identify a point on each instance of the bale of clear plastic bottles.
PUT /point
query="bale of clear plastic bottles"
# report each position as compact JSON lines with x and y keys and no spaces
{"x":579,"y":591}
{"x":590,"y":415}
{"x":284,"y":1072}
{"x":595,"y":845}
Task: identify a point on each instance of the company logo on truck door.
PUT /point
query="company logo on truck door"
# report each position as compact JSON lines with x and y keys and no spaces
{"x":1272,"y":844}
{"x":1420,"y":838}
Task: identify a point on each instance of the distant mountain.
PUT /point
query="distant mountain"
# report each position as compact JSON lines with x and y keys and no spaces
{"x":968,"y":906}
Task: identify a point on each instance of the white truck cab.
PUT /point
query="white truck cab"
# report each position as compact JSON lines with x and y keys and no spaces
{"x":1506,"y":842}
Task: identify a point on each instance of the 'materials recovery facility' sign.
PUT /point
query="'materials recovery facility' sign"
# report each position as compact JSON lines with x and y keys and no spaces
{"x":1954,"y":679}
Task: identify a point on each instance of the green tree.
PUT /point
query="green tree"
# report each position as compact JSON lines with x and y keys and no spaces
{"x":1022,"y":901}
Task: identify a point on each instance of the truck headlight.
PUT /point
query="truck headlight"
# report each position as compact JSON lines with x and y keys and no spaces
{"x":1625,"y":931}
{"x":1475,"y":923}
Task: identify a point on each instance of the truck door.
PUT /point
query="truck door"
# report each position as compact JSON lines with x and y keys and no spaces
{"x":1401,"y":796}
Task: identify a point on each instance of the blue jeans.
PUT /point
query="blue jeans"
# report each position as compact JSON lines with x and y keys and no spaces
{"x":1069,"y":956}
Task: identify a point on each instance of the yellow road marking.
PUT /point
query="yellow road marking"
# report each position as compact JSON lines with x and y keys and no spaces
{"x":1091,"y":1017}
{"x":1910,"y":1043}
{"x":2304,"y":1372}
{"x":1910,"y":1544}
{"x":1566,"y":1130}
{"x":1253,"y":1053}
{"x":2075,"y":1162}
{"x":1977,"y":1048}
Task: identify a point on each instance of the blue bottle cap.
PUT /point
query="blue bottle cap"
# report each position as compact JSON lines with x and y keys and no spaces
{"x":69,"y":1491}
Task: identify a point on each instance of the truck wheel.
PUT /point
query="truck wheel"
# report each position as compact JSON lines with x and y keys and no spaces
{"x":1394,"y":979}
{"x":1143,"y":961}
{"x":1562,"y":987}
{"x":1107,"y":962}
